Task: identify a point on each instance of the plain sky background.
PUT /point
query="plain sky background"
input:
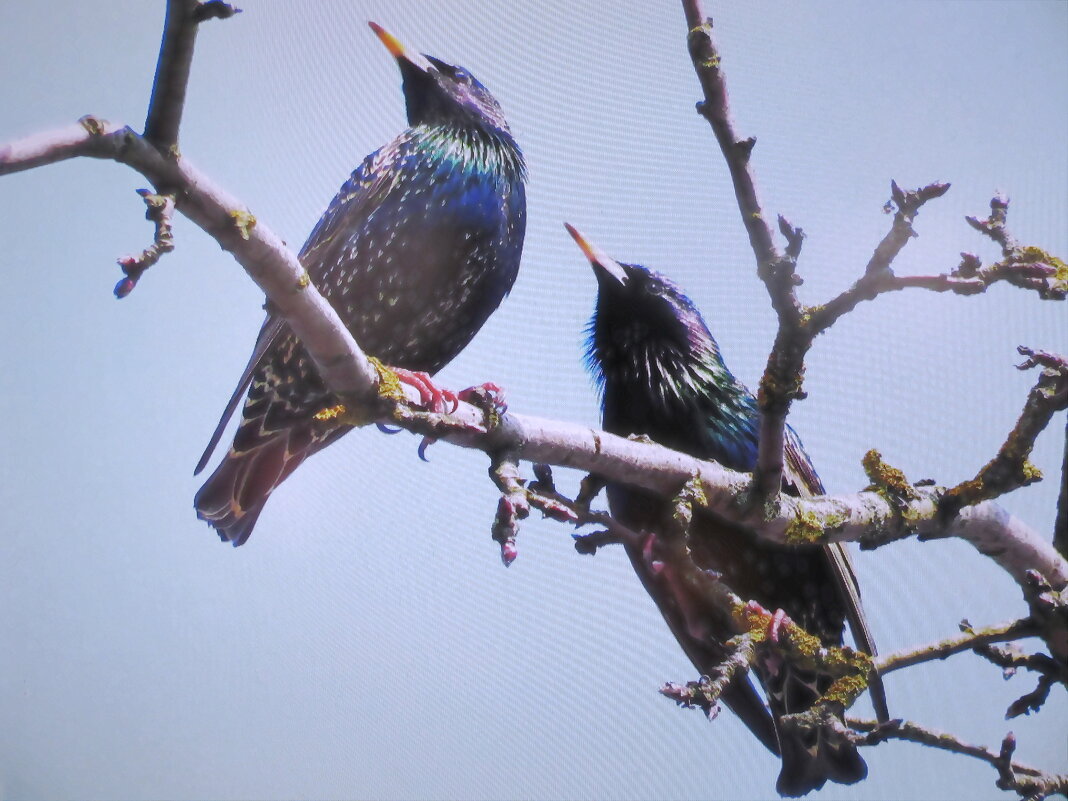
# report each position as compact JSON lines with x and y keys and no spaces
{"x":367,"y":642}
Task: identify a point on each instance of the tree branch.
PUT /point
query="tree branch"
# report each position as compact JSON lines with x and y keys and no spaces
{"x":1031,"y":783}
{"x":878,"y":276}
{"x":1060,"y":528}
{"x":867,"y":517}
{"x":172,"y":69}
{"x":1011,"y":468}
{"x":160,"y":212}
{"x":967,"y":640}
{"x":781,"y":382}
{"x":273,"y":267}
{"x":872,"y":517}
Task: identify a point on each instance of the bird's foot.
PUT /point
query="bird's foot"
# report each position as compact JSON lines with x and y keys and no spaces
{"x":431,"y":397}
{"x":488,"y":397}
{"x":776,"y":621}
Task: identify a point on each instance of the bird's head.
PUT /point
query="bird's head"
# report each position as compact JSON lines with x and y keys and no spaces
{"x":436,"y":92}
{"x":643,"y":325}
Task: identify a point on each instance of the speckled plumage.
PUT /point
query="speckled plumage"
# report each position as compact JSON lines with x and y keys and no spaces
{"x":417,"y":249}
{"x":661,"y":374}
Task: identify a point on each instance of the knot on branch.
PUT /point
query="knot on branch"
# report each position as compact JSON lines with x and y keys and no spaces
{"x":782,"y":381}
{"x":890,"y":484}
{"x":807,"y":527}
{"x":542,"y":494}
{"x":94,"y":125}
{"x":244,"y":221}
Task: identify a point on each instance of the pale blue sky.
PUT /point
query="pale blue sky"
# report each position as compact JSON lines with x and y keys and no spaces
{"x":366,"y":642}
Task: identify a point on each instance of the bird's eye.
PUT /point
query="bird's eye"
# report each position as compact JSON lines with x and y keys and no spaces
{"x":461,"y":75}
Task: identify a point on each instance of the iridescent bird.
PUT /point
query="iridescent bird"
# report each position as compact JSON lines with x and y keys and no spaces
{"x":417,"y":249}
{"x":661,"y":374}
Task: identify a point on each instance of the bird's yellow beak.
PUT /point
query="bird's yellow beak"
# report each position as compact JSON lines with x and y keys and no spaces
{"x":398,"y":50}
{"x":597,"y":257}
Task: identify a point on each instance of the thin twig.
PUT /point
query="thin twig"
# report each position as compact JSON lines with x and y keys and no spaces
{"x":1031,"y":783}
{"x":965,"y":641}
{"x":704,"y":694}
{"x":512,"y":506}
{"x":1011,"y":468}
{"x":160,"y":212}
{"x":878,"y":275}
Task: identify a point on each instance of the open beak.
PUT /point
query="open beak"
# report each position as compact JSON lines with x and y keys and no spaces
{"x":398,"y":50}
{"x":603,"y":264}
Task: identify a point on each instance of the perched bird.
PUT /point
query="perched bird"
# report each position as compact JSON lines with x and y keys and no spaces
{"x":415,"y":252}
{"x":661,"y":374}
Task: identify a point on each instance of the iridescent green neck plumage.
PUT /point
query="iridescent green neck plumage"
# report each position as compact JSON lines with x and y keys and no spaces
{"x":484,"y":151}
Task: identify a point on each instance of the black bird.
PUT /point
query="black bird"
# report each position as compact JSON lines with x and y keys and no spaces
{"x":415,"y":252}
{"x":661,"y":374}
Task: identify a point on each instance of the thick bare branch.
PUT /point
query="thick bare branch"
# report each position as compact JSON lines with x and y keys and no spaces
{"x":263,"y":255}
{"x":872,"y":517}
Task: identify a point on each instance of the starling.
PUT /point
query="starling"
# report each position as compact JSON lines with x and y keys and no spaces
{"x":415,"y":252}
{"x":661,"y":374}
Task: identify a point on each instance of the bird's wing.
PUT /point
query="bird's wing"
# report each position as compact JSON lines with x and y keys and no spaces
{"x":364,"y":189}
{"x":800,"y":473}
{"x":273,"y":326}
{"x":357,"y":198}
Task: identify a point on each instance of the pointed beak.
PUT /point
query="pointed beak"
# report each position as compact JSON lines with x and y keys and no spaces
{"x":603,"y":264}
{"x":398,"y":50}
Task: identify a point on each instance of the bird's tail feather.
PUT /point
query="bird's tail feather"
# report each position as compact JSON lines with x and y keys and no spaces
{"x":234,"y":495}
{"x":810,"y":758}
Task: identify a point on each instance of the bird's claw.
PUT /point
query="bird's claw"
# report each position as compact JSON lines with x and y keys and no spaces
{"x":431,"y":397}
{"x":488,"y":396}
{"x":423,"y":445}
